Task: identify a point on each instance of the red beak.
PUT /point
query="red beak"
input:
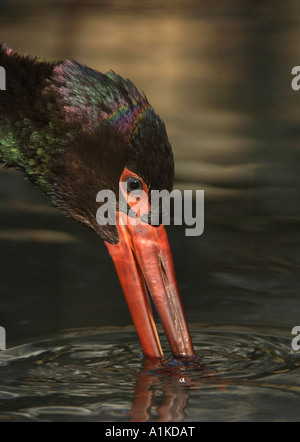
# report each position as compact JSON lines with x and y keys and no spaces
{"x":143,"y":260}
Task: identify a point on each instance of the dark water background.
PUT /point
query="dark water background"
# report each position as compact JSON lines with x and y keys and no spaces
{"x":219,"y":74}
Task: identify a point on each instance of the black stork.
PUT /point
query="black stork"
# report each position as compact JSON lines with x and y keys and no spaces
{"x":74,"y":132}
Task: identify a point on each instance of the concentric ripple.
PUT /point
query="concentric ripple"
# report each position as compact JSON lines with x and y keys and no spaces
{"x":97,"y":374}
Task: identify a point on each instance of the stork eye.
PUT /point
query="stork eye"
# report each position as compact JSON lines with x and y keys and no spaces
{"x":134,"y":184}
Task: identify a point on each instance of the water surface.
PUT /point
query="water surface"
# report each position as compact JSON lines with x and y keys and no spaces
{"x":100,"y":375}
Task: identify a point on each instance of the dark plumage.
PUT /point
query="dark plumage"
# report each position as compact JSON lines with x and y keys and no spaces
{"x":73,"y":130}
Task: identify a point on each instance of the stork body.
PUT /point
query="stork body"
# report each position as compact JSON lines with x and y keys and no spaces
{"x":73,"y":132}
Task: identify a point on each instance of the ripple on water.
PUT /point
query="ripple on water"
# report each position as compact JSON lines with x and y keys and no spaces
{"x":100,"y":374}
